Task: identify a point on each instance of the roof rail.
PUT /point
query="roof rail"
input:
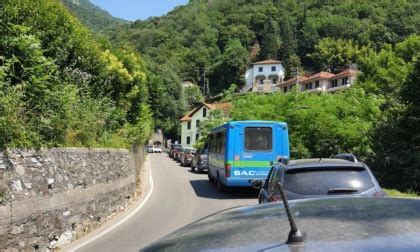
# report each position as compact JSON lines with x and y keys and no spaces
{"x":348,"y":157}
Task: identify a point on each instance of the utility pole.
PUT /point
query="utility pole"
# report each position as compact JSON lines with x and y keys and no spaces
{"x":204,"y":83}
{"x":206,"y":88}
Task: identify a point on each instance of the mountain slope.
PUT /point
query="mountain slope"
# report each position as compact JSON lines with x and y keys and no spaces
{"x":222,"y":37}
{"x":97,"y":19}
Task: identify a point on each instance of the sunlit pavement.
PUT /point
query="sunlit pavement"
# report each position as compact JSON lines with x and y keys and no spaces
{"x":179,"y":198}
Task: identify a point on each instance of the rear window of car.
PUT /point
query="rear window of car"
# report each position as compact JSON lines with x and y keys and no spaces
{"x":258,"y":139}
{"x":320,"y":181}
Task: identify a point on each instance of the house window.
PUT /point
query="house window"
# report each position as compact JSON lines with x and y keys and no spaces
{"x":334,"y":83}
{"x":188,"y":140}
{"x":204,"y":112}
{"x":273,"y":68}
{"x":285,"y":89}
{"x":308,"y":86}
{"x":317,"y":84}
{"x":344,"y":81}
{"x":197,"y":123}
{"x":189,"y":125}
{"x":274,"y":81}
{"x":261,"y":81}
{"x":197,"y":136}
{"x":260,"y":69}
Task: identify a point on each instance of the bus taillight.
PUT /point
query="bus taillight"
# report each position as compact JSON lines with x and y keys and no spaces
{"x":227,"y":170}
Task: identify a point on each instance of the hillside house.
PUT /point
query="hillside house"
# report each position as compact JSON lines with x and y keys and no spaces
{"x":264,"y":76}
{"x":190,"y":123}
{"x":320,"y":82}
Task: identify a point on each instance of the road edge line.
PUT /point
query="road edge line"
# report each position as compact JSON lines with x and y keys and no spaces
{"x":125,"y":218}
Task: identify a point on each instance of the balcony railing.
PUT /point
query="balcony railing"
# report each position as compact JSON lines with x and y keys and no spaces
{"x":332,"y":89}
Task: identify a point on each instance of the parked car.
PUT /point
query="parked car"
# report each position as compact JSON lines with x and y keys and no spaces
{"x":149,"y":149}
{"x":174,"y":151}
{"x":157,"y":149}
{"x":312,"y":178}
{"x":373,"y":224}
{"x":186,"y":156}
{"x":200,"y":160}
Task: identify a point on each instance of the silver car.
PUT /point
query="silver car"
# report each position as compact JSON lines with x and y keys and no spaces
{"x":314,"y":178}
{"x":376,"y":224}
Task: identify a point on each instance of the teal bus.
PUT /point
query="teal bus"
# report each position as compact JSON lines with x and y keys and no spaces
{"x":242,"y":151}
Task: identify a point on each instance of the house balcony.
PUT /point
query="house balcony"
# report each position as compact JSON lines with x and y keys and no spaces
{"x":341,"y":87}
{"x":266,"y":86}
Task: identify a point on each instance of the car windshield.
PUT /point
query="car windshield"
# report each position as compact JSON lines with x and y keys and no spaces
{"x":323,"y":180}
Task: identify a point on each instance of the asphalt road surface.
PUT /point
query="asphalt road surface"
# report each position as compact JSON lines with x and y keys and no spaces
{"x":179,"y":198}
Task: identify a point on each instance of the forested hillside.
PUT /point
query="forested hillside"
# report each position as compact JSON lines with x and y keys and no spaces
{"x":223,"y":37}
{"x":97,"y":19}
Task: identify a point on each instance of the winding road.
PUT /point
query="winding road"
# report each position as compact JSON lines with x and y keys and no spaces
{"x":179,"y":198}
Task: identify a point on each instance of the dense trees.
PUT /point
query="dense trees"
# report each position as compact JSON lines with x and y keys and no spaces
{"x":377,"y":119}
{"x":320,"y":125}
{"x":58,"y":86}
{"x":218,"y":39}
{"x":203,"y":35}
{"x":97,"y":19}
{"x":61,"y":85}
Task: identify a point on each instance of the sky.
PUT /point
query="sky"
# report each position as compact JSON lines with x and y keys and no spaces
{"x":138,"y":9}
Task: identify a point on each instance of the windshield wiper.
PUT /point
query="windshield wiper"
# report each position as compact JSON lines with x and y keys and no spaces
{"x":342,"y":190}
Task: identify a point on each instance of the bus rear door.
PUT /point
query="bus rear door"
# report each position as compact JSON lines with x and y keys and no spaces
{"x":255,"y":151}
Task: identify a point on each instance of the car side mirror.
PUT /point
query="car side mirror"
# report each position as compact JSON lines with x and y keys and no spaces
{"x":257,"y":184}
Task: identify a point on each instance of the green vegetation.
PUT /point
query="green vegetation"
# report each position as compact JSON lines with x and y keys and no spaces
{"x":58,"y":86}
{"x":320,"y":125}
{"x":377,"y":119}
{"x":396,"y":193}
{"x":221,"y":37}
{"x":97,"y":19}
{"x":61,"y":85}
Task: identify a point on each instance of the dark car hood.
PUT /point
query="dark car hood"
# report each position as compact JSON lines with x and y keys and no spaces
{"x":331,"y":224}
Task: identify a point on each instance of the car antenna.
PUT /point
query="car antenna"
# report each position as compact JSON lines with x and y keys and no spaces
{"x":295,"y":235}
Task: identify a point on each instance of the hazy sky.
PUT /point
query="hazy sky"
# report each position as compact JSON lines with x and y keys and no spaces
{"x":138,"y":9}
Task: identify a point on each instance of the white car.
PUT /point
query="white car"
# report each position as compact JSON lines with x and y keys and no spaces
{"x":157,"y":149}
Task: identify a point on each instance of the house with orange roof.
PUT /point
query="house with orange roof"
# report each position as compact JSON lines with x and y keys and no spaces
{"x":264,"y":76}
{"x":190,"y":122}
{"x":289,"y":84}
{"x":316,"y":83}
{"x":321,"y":82}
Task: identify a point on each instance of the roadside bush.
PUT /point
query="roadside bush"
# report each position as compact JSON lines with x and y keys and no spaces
{"x":319,"y":125}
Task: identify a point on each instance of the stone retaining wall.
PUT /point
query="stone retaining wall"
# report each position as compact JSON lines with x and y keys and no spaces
{"x":51,"y":196}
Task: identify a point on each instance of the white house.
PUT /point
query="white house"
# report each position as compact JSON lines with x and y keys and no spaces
{"x":264,"y":76}
{"x":190,"y":123}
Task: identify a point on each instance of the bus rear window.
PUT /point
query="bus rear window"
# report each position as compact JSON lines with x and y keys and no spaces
{"x":258,"y":139}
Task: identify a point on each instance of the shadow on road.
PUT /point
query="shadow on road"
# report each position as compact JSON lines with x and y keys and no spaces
{"x":203,"y":188}
{"x":195,"y":172}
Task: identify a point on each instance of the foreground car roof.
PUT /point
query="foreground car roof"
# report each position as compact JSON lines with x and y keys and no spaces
{"x":324,"y":162}
{"x":331,"y":224}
